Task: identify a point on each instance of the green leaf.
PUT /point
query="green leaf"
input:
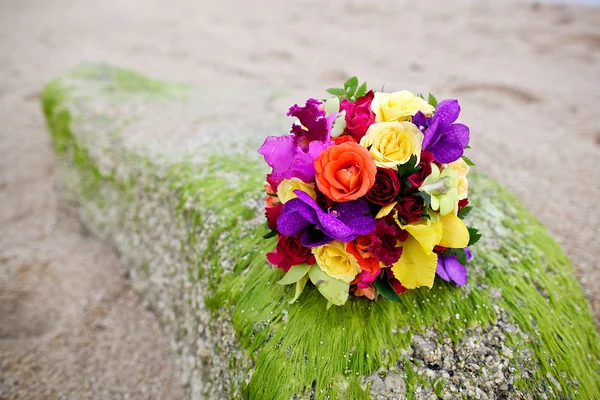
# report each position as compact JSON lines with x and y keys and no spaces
{"x":336,"y":91}
{"x":270,"y":235}
{"x":474,"y":236}
{"x":334,"y":290}
{"x":362,"y":90}
{"x":464,"y":212}
{"x":294,"y":274}
{"x":420,"y":95}
{"x":351,"y":85}
{"x":385,"y":289}
{"x":461,"y":256}
{"x":467,"y":160}
{"x":300,"y":284}
{"x":407,"y":168}
{"x":432,"y":100}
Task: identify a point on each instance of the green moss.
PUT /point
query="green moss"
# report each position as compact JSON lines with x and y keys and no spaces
{"x":302,"y":346}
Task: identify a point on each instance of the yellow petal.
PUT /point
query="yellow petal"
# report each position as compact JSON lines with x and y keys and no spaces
{"x":428,"y":236}
{"x":386,"y":210}
{"x":415,"y":268}
{"x":455,"y":232}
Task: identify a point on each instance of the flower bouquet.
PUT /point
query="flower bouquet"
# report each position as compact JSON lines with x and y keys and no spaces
{"x":367,"y":194}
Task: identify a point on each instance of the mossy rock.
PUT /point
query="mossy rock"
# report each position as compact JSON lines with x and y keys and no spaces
{"x":169,"y":175}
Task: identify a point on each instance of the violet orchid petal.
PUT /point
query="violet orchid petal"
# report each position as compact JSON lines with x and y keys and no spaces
{"x":468,"y":254}
{"x":441,"y":270}
{"x":457,"y":133}
{"x":455,"y":270}
{"x":357,"y":216}
{"x":313,"y":237}
{"x":291,"y":222}
{"x":431,"y":135}
{"x":446,"y":112}
{"x":420,"y":120}
{"x":447,"y":152}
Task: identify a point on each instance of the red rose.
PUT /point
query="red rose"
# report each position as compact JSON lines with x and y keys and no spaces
{"x":396,"y":285}
{"x":386,"y":240}
{"x":290,"y":252}
{"x":417,"y":178}
{"x":359,"y":115}
{"x":386,"y":187}
{"x":272,"y":214}
{"x":462,"y":204}
{"x":410,"y":209}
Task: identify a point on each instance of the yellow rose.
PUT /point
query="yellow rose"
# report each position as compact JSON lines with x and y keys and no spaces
{"x":392,"y":143}
{"x":335,"y":261}
{"x":461,"y":169}
{"x":285,"y":190}
{"x":399,"y":106}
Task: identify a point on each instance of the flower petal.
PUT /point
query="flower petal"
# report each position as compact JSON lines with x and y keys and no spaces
{"x":291,"y":222}
{"x":428,"y":236}
{"x":447,"y":112}
{"x":455,"y":270}
{"x":334,"y":290}
{"x":415,"y":268}
{"x":441,"y":270}
{"x":455,"y":233}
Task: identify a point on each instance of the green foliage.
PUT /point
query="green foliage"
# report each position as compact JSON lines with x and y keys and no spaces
{"x":293,"y":348}
{"x":351,"y":90}
{"x":468,"y":161}
{"x":474,"y":236}
{"x":464,"y":212}
{"x":385,"y":289}
{"x":408,"y":168}
{"x":432,"y":100}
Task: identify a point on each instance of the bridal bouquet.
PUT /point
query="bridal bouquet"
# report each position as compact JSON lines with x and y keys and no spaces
{"x":367,"y":194}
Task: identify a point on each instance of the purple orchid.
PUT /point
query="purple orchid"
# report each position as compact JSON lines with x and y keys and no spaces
{"x":449,"y":269}
{"x":445,"y":139}
{"x":293,"y":156}
{"x":303,"y":216}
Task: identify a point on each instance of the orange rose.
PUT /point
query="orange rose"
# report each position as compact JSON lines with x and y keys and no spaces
{"x":359,"y":248}
{"x":345,"y":171}
{"x":343,"y":139}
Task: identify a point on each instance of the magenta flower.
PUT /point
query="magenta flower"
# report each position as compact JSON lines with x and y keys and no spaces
{"x":445,"y":139}
{"x":303,"y":216}
{"x":450,"y":270}
{"x":293,"y":156}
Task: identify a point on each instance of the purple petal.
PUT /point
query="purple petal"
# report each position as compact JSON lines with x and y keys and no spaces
{"x":291,"y":222}
{"x":468,"y":253}
{"x":447,"y":152}
{"x":313,"y":237}
{"x":431,"y":135}
{"x":457,"y":133}
{"x":455,"y":270}
{"x":356,"y":215}
{"x":316,"y":125}
{"x":447,"y":112}
{"x":278,"y":152}
{"x":419,"y":120}
{"x":440,"y":270}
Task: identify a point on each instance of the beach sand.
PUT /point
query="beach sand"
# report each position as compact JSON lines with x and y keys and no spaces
{"x":527,"y":76}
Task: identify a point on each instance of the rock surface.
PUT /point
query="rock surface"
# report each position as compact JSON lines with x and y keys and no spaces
{"x":169,"y":176}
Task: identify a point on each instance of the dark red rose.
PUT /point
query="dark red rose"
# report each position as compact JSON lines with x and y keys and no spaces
{"x":359,"y":115}
{"x":462,"y":204}
{"x":386,"y":240}
{"x":439,"y":249}
{"x":417,"y":178}
{"x":272,"y":214}
{"x":386,"y":187}
{"x":410,"y":209}
{"x":290,"y":252}
{"x":396,"y":285}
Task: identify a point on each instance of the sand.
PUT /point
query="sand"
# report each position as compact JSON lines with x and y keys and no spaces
{"x":527,"y":76}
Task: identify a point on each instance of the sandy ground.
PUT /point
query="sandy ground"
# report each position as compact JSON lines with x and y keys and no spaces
{"x":528,"y":78}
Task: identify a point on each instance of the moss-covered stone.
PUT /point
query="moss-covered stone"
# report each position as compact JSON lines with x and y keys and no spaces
{"x":171,"y":179}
